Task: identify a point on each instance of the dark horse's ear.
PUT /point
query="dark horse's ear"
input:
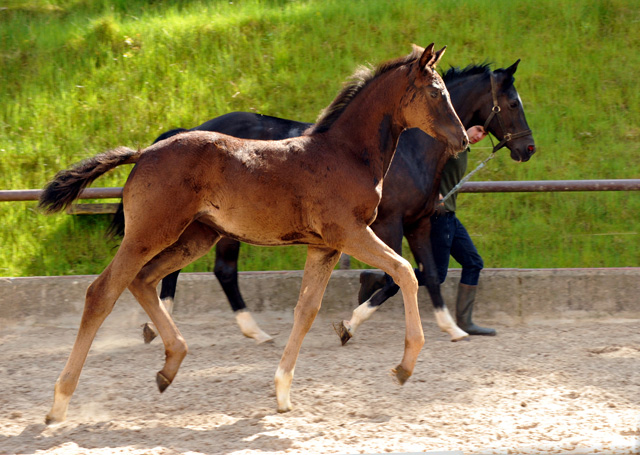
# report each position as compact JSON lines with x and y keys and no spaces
{"x":512,"y":69}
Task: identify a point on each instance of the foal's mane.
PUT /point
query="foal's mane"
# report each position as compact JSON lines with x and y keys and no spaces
{"x":354,"y":85}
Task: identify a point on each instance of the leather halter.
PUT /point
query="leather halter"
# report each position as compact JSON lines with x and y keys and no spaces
{"x":495,"y":112}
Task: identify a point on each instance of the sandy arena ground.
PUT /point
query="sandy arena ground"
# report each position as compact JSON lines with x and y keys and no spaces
{"x":544,"y":388}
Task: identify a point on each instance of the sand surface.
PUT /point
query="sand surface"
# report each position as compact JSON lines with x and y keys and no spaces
{"x":544,"y":388}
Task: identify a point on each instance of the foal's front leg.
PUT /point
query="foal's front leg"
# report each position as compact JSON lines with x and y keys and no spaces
{"x":317,"y":271}
{"x":368,"y":248}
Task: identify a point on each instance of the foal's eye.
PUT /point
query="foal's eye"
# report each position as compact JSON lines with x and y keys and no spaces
{"x":434,"y":94}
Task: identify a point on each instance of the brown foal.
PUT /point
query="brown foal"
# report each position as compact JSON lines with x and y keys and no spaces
{"x":321,"y":190}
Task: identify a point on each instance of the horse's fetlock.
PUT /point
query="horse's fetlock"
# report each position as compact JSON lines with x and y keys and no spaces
{"x":177,"y":349}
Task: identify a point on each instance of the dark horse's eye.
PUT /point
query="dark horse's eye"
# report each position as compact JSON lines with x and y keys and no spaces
{"x":513,"y":104}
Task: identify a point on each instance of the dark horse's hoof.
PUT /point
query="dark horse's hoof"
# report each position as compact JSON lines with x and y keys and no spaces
{"x":148,"y":333}
{"x":342,"y":332}
{"x":162,"y":382}
{"x":400,"y":374}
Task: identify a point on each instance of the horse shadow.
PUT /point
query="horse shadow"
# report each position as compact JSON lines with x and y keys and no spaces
{"x":240,"y":435}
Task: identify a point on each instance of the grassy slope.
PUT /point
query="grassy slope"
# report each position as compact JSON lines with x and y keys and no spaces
{"x":79,"y":77}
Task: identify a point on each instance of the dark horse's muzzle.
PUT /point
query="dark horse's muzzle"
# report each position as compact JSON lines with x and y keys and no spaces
{"x":522,"y":153}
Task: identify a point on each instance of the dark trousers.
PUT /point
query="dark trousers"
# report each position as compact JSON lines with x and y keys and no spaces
{"x":450,"y":238}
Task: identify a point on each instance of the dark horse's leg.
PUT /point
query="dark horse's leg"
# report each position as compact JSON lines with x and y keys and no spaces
{"x":226,"y":270}
{"x":390,"y":232}
{"x":426,"y":273}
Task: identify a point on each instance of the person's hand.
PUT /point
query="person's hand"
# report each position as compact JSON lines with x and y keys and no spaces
{"x":476,"y":134}
{"x":440,"y":205}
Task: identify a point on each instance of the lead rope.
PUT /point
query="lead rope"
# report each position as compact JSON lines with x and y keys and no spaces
{"x":466,"y":178}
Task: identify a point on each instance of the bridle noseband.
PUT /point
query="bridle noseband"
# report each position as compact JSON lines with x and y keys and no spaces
{"x":495,"y":112}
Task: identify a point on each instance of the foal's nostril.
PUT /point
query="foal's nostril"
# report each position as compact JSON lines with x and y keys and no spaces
{"x":465,"y":142}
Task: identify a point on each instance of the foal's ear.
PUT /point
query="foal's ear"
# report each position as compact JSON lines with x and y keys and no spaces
{"x":427,"y":56}
{"x":438,"y":56}
{"x":512,"y":69}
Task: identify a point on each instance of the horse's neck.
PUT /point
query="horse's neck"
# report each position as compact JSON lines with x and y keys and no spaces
{"x":371,"y":127}
{"x":468,"y":95}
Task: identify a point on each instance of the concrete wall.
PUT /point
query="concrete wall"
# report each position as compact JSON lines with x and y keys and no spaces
{"x":511,"y":295}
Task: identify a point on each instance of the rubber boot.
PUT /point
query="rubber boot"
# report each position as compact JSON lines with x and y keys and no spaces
{"x":464,"y":310}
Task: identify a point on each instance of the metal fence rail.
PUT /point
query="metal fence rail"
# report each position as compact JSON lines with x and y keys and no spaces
{"x":528,"y":186}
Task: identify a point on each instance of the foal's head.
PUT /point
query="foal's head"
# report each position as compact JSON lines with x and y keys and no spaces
{"x":427,"y":104}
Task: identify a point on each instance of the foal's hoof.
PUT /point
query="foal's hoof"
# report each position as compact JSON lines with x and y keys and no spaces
{"x":50,"y":420}
{"x":400,"y":374}
{"x":162,"y":382}
{"x":148,"y":332}
{"x":342,"y":331}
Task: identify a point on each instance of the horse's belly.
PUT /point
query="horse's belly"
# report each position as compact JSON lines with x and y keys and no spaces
{"x":261,"y":229}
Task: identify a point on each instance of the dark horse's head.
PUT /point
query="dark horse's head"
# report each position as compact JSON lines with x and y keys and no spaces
{"x":489,"y":98}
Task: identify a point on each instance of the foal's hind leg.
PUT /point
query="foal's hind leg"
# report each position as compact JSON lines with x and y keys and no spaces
{"x":368,"y":248}
{"x":194,"y":242}
{"x":101,"y":297}
{"x":167,"y":294}
{"x":317,"y":271}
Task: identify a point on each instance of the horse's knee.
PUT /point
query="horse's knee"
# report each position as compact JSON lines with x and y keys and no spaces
{"x":224,"y":272}
{"x":304,"y":315}
{"x":143,"y":280}
{"x":97,"y":302}
{"x":432,"y":283}
{"x":406,"y":278}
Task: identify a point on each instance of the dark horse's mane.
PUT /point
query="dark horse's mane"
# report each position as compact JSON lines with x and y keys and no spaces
{"x":455,"y":73}
{"x":355,"y":84}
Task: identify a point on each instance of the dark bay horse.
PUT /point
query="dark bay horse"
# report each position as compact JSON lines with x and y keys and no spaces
{"x":321,"y":190}
{"x":408,"y":199}
{"x":480,"y":97}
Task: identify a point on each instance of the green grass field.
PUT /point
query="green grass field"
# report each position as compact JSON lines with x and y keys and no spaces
{"x":78,"y":77}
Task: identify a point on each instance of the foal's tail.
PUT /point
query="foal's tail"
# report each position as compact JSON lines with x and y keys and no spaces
{"x":67,"y":185}
{"x":116,"y":227}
